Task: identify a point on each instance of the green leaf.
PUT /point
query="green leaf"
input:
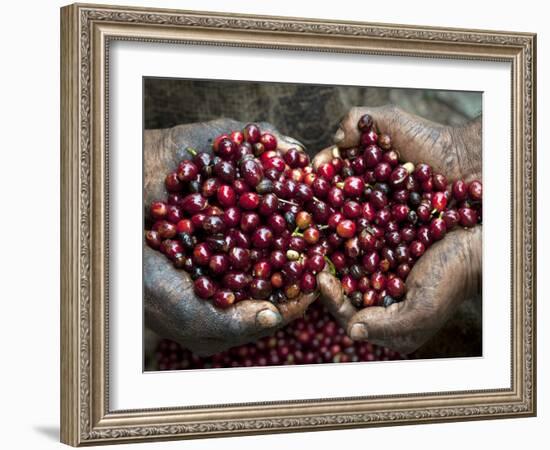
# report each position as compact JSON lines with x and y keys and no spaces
{"x":331,"y":267}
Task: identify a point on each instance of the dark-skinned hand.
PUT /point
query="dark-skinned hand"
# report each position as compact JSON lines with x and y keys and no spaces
{"x":450,"y":270}
{"x":171,"y":307}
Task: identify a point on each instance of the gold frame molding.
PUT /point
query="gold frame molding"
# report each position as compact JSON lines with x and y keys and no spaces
{"x":86,"y":31}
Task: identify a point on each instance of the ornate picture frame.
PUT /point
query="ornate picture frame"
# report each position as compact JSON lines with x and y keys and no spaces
{"x":86,"y":34}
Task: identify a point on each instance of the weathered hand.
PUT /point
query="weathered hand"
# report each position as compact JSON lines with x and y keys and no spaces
{"x":172,"y":309}
{"x":452,"y":151}
{"x":450,"y":270}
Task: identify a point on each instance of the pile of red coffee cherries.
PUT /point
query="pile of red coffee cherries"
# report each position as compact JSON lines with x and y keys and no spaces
{"x":236,"y":222}
{"x":384,"y":215}
{"x":314,"y":339}
{"x":253,"y":222}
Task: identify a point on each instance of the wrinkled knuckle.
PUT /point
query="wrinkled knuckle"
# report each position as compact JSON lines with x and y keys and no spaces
{"x":341,"y":308}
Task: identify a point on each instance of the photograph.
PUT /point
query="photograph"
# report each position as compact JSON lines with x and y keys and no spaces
{"x":289,"y":224}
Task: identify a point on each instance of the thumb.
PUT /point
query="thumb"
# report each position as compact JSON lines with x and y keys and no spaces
{"x":250,"y":318}
{"x":325,"y":156}
{"x":333,"y":298}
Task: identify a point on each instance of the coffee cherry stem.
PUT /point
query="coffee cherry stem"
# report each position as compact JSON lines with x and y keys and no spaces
{"x":296,"y":232}
{"x":192,"y":151}
{"x":289,"y":202}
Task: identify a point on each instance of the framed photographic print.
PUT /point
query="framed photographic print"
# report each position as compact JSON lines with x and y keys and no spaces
{"x":277,"y":225}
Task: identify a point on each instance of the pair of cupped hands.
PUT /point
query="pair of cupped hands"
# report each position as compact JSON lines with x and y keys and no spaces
{"x":448,"y":273}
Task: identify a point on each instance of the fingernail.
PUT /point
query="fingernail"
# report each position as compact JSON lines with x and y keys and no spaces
{"x":295,"y":142}
{"x":359,"y":332}
{"x":267,"y":318}
{"x":339,"y":136}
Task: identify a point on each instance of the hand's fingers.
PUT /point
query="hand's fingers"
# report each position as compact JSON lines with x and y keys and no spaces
{"x":293,"y":309}
{"x":447,"y":274}
{"x":244,"y":322}
{"x":452,"y":151}
{"x":334,"y":299}
{"x":415,"y":138}
{"x":325,"y":156}
{"x":348,"y":134}
{"x":406,"y":130}
{"x":389,"y":327}
{"x":285,"y":143}
{"x":164,"y":149}
{"x":251,"y":318}
{"x":173,"y":311}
